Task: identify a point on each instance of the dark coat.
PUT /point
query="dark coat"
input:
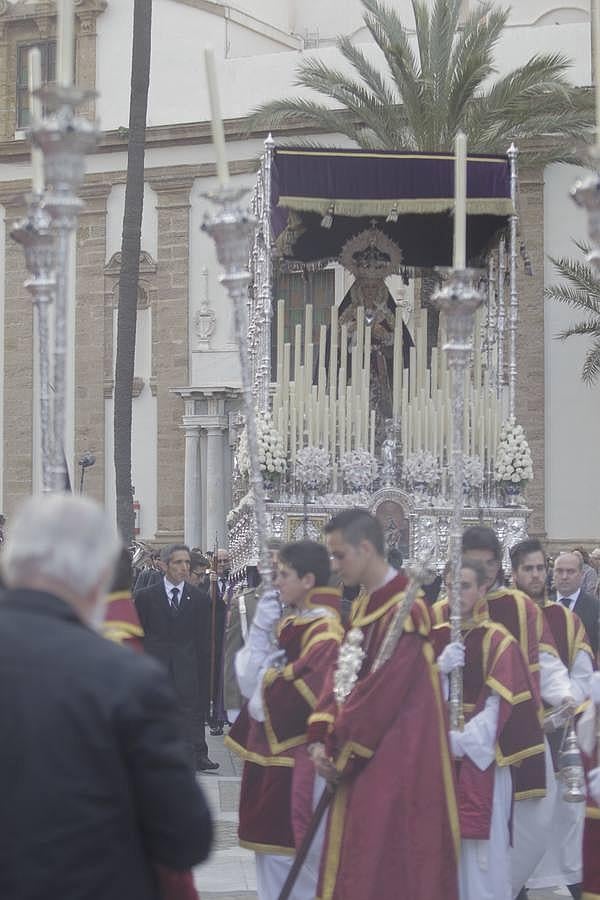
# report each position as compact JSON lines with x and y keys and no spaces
{"x":179,"y":639}
{"x":93,"y":779}
{"x":586,"y":608}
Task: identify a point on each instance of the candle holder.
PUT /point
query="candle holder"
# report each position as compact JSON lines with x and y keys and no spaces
{"x":64,"y":139}
{"x":458,"y":298}
{"x":586,"y":194}
{"x":231,"y":228}
{"x":34,"y":233}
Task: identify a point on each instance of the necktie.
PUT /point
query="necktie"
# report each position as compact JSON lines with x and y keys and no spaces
{"x":566,"y":601}
{"x":175,"y":598}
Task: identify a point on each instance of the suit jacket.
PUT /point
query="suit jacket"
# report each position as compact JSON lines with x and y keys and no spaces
{"x":586,"y":608}
{"x":234,"y":641}
{"x":180,"y":639}
{"x":94,"y":782}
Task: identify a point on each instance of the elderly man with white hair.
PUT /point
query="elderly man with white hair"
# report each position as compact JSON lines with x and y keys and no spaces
{"x":96,"y":792}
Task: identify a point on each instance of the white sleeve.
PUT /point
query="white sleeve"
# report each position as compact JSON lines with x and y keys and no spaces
{"x":478,"y":740}
{"x":255,"y":702}
{"x":554,"y":679}
{"x":250,"y":660}
{"x":581,"y":672}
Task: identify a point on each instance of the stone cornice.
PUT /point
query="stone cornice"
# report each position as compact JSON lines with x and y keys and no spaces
{"x":162,"y":178}
{"x":16,"y":12}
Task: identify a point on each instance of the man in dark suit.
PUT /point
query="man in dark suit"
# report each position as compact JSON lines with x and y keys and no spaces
{"x":568,"y":575}
{"x":175,"y":617}
{"x":97,"y":795}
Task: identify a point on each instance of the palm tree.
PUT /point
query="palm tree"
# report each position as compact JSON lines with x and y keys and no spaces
{"x":130,"y":264}
{"x":581,"y":291}
{"x":429,"y":90}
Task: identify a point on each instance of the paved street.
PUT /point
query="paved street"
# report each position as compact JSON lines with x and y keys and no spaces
{"x":229,"y":873}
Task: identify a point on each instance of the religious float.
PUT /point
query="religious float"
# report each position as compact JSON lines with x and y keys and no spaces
{"x":358,"y":389}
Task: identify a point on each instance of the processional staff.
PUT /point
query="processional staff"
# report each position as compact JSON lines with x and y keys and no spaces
{"x":60,"y":142}
{"x":459,"y":299}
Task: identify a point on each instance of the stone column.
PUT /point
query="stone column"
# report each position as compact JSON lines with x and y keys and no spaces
{"x":530,"y":406}
{"x":18,"y":366}
{"x":89,"y":331}
{"x":215,"y":510}
{"x":192,"y":523}
{"x":170,"y":347}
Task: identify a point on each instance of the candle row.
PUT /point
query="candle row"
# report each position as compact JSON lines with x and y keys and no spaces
{"x":335,"y":412}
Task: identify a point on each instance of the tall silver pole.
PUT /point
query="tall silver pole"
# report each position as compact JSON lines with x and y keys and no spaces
{"x":64,"y":139}
{"x":459,"y":298}
{"x":231,"y":229}
{"x":501,"y":314}
{"x":513,"y":310}
{"x":35,"y":234}
{"x":266,"y":287}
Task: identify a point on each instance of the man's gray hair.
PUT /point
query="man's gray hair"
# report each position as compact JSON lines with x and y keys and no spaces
{"x":69,"y":540}
{"x":167,"y":552}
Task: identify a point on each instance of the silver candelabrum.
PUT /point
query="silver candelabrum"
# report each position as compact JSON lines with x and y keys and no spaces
{"x":586,"y":193}
{"x":458,"y":298}
{"x":64,"y":139}
{"x":34,"y":233}
{"x":231,"y":228}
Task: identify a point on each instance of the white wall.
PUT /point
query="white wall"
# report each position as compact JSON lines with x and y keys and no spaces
{"x":572,"y":410}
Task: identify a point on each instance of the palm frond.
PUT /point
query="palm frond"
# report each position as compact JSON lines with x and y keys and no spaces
{"x":421,"y":14}
{"x":577,"y":273}
{"x":472,"y":61}
{"x":580,"y":328}
{"x":297,"y":111}
{"x":591,"y":365}
{"x":392,"y":38}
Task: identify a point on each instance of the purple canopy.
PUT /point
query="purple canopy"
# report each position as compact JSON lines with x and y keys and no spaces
{"x":357,"y":186}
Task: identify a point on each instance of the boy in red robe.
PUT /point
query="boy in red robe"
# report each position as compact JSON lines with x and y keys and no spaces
{"x":392,"y":831}
{"x":562,"y":863}
{"x":587,"y":732}
{"x":534,"y":779}
{"x":282,"y":674}
{"x":501,"y":730}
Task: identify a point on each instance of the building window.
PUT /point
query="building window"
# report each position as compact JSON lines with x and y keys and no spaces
{"x":48,"y":52}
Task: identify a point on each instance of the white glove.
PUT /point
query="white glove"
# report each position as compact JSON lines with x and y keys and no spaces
{"x":275,"y":660}
{"x":595,"y":687}
{"x":594,"y":784}
{"x":456,"y":742}
{"x":268,"y":611}
{"x":451,"y":657}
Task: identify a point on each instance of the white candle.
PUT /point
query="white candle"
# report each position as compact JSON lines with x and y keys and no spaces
{"x":65,"y":45}
{"x":293,"y":432}
{"x":372,"y":442}
{"x":280,"y":326}
{"x":460,"y":200}
{"x":216,"y":122}
{"x":34,"y":71}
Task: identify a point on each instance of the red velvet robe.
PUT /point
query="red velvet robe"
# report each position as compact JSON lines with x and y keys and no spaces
{"x":269,"y":748}
{"x":524,"y":620}
{"x":591,"y":842}
{"x":393,"y":825}
{"x":494,"y":663}
{"x":121,"y":623}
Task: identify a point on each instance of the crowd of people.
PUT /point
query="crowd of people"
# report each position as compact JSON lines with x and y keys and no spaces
{"x":382,"y":756}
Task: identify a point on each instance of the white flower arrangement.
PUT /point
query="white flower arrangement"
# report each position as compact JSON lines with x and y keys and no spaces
{"x":359,"y":469}
{"x":270,"y":448}
{"x":422,"y":467}
{"x":245,"y":505}
{"x":473,"y":472}
{"x":513,"y":456}
{"x":313,"y":465}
